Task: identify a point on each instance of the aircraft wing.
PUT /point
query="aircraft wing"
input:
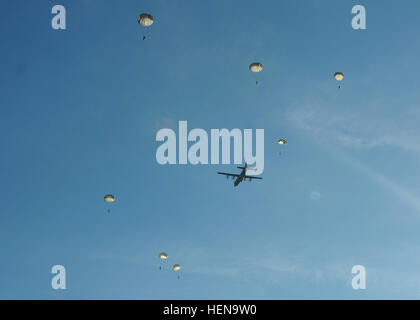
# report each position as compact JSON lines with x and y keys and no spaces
{"x":229,"y":174}
{"x":252,"y":177}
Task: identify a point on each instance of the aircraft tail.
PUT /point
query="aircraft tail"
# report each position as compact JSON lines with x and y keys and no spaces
{"x":246,"y":166}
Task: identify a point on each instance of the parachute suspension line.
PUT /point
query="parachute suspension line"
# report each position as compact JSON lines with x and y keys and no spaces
{"x":162,"y":256}
{"x":144,"y":34}
{"x":339,"y":76}
{"x":109,"y":198}
{"x":255,"y":68}
{"x":281,"y":142}
{"x":176,"y":268}
{"x":145,"y":20}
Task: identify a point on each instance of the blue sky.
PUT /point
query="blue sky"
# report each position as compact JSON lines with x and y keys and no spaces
{"x":80,"y":109}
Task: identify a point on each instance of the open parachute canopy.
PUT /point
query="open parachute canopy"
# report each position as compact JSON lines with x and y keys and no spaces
{"x":282,"y":141}
{"x":109,"y":198}
{"x":145,"y":20}
{"x":176,"y":267}
{"x":255,"y":67}
{"x":163,"y":255}
{"x":339,"y":76}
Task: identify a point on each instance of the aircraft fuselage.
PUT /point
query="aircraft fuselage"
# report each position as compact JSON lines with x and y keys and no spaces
{"x":240,"y":178}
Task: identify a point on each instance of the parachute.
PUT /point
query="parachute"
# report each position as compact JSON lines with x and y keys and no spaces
{"x":282,"y":141}
{"x":163,"y":255}
{"x":176,"y":267}
{"x":339,"y":76}
{"x":255,"y":67}
{"x":145,"y":20}
{"x":109,"y":198}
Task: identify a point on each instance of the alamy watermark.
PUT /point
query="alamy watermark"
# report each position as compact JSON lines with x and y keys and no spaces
{"x":359,"y":20}
{"x":58,"y":282}
{"x":198,"y":153}
{"x":359,"y":280}
{"x":58,"y":22}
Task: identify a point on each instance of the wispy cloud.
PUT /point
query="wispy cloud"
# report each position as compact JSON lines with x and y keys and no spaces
{"x":270,"y":265}
{"x":352,"y":130}
{"x":361,"y":130}
{"x":402,"y":193}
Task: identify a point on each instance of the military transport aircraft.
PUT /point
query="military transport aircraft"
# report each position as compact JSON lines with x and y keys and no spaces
{"x":240,"y":177}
